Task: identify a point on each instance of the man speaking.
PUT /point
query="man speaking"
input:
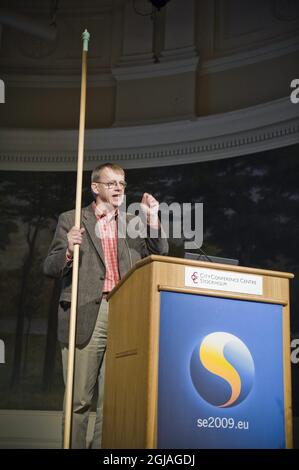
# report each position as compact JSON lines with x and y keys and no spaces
{"x":105,"y":257}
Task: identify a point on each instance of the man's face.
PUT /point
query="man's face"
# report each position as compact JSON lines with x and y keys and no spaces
{"x":112,"y":195}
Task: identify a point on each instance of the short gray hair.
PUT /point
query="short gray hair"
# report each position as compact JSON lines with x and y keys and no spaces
{"x":97,"y":171}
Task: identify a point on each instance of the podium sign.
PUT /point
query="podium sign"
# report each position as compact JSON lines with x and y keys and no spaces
{"x":220,"y":377}
{"x":198,"y":356}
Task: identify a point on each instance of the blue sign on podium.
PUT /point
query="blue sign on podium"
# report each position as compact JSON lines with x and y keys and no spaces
{"x":220,"y":373}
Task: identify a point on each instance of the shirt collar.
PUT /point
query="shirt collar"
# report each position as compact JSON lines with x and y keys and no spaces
{"x":101,"y":214}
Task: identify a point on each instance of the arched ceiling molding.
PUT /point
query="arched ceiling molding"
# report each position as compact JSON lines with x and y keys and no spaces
{"x":249,"y":130}
{"x":255,"y":55}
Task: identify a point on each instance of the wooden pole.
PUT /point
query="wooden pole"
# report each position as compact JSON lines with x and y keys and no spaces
{"x":67,"y":438}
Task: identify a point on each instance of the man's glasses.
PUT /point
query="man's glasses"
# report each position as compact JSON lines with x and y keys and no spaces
{"x":113,"y":184}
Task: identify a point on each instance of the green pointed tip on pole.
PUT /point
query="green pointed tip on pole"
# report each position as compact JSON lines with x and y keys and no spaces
{"x":85,"y":37}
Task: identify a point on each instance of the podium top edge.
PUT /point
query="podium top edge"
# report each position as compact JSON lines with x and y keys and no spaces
{"x":202,"y":264}
{"x":208,"y":264}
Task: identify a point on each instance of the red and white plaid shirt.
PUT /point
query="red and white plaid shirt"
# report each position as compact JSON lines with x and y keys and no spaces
{"x":107,"y":227}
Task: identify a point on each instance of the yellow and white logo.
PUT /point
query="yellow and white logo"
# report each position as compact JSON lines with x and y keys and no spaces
{"x":222,"y":369}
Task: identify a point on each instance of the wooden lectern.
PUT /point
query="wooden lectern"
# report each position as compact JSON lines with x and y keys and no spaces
{"x":135,"y":354}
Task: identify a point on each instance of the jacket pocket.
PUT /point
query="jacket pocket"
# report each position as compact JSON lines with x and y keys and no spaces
{"x":65,"y":300}
{"x":67,"y":296}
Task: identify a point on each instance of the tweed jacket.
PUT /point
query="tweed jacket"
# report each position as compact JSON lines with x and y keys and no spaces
{"x":91,"y":269}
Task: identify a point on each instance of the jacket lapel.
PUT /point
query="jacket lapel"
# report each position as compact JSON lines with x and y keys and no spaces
{"x":89,"y":221}
{"x":120,"y":247}
{"x":122,"y":233}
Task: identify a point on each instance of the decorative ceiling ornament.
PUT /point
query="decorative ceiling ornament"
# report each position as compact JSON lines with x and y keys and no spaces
{"x":159,"y":3}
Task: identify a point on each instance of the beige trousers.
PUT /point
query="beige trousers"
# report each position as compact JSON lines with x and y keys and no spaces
{"x":89,"y":373}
